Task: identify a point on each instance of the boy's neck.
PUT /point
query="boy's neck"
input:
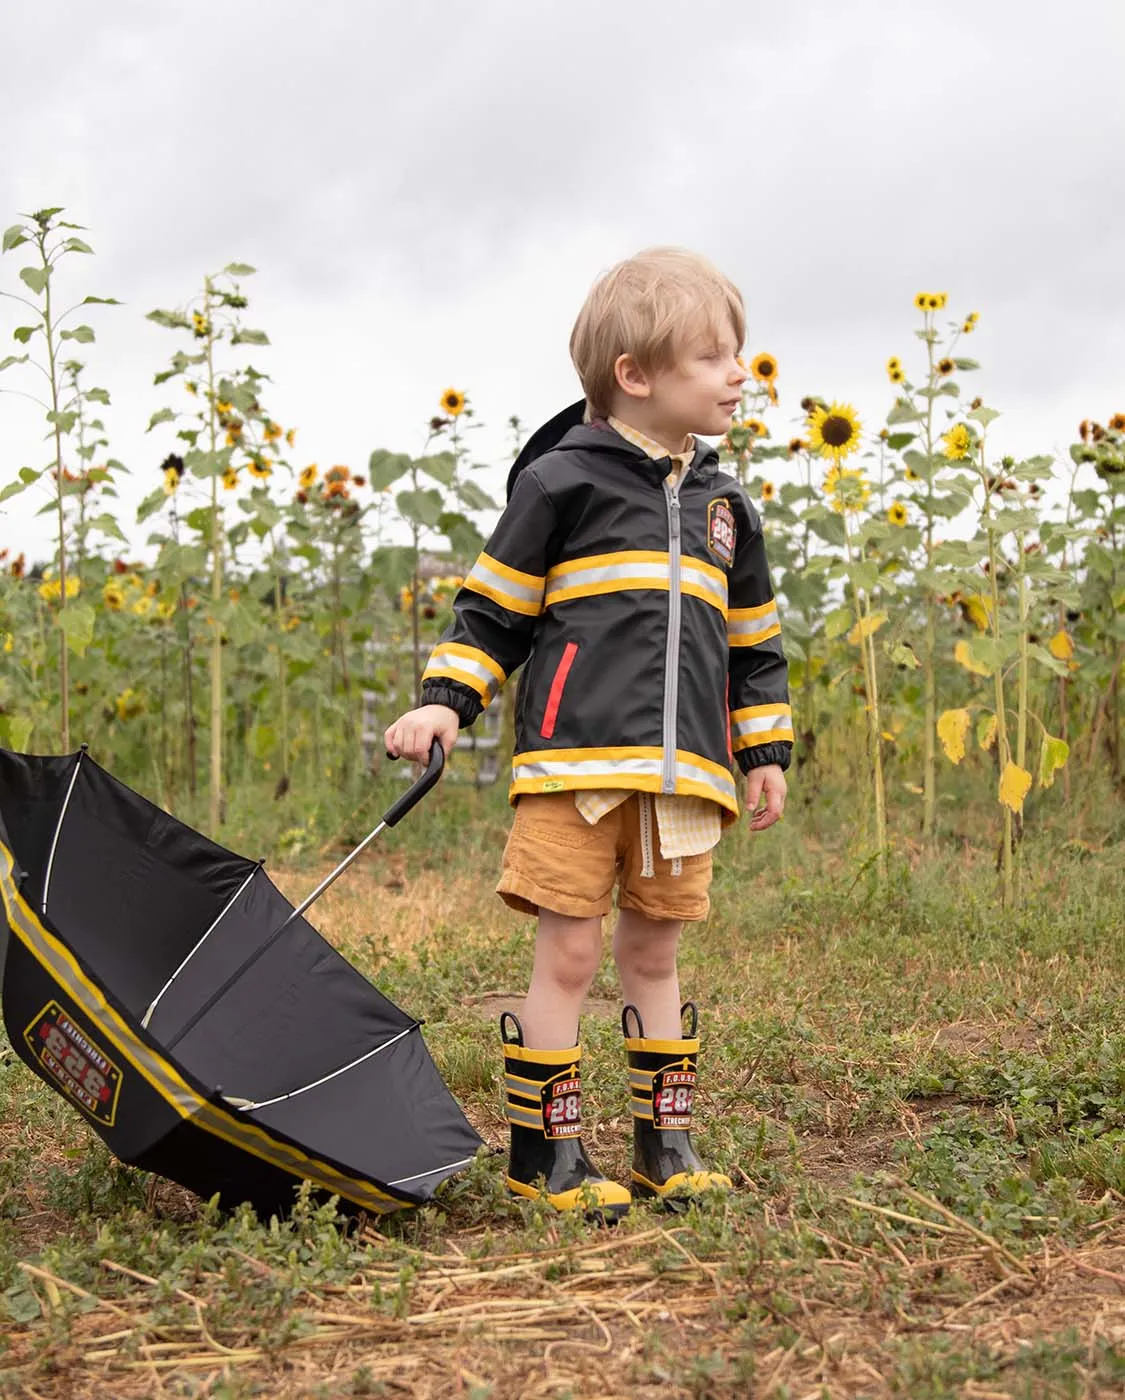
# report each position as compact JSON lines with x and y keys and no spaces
{"x":671,"y":438}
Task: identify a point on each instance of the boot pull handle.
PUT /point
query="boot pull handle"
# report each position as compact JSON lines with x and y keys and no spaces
{"x":516,"y":1038}
{"x":639,"y":1033}
{"x":694,"y":1026}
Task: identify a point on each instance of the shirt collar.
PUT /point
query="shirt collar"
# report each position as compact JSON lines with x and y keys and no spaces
{"x":651,"y":448}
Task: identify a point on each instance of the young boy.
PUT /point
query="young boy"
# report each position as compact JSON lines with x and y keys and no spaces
{"x":630,"y":576}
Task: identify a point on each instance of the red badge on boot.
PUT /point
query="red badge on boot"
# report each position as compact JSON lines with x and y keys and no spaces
{"x":562,"y":1105}
{"x":673,"y":1089}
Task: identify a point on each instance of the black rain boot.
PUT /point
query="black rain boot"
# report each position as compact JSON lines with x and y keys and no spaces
{"x":544,"y":1102}
{"x":662,"y":1086}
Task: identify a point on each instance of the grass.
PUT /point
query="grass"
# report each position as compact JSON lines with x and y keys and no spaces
{"x":920,"y":1098}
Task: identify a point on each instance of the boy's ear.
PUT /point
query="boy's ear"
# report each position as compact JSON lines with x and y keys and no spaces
{"x":631,"y":379}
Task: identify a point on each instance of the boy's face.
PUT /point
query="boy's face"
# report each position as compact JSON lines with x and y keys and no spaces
{"x":700,"y":391}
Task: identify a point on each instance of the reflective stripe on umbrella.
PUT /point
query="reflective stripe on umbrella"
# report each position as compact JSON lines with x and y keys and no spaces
{"x":167,"y":989}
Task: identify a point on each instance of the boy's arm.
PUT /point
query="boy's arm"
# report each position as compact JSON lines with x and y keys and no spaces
{"x":496,"y":610}
{"x":761,"y":722}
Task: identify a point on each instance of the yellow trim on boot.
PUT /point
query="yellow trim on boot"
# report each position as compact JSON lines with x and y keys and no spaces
{"x":573,"y":1056}
{"x":684,"y":1181}
{"x":662,"y":1047}
{"x":592,"y":1196}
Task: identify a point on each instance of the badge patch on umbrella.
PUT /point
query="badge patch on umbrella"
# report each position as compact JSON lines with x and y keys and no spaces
{"x":69,"y":1054}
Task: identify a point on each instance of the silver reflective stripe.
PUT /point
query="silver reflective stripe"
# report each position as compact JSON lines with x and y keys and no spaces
{"x":672,"y":648}
{"x":226,"y":907}
{"x":524,"y":1117}
{"x":760,"y":724}
{"x":642,"y":1108}
{"x":447,"y":663}
{"x":58,"y":826}
{"x":524,"y":1090}
{"x":647,"y":572}
{"x":316,"y":1083}
{"x":162,"y":1075}
{"x":696,"y":773}
{"x":419,"y":1176}
{"x":747,"y":631}
{"x":716,"y":590}
{"x":588,"y":768}
{"x":481,"y":573}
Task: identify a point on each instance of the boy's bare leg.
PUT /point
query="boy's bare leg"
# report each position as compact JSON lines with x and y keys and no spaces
{"x":567,"y":954}
{"x":645,"y":952}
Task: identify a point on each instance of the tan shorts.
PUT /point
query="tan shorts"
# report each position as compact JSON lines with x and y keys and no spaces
{"x":556,"y":860}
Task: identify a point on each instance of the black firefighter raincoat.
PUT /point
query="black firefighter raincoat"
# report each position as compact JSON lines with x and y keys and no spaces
{"x":646,"y":619}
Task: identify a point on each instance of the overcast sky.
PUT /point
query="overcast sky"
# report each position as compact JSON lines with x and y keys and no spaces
{"x":428,"y":190}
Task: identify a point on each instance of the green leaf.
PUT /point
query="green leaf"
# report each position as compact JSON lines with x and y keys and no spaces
{"x":12,"y":360}
{"x":248,"y":337}
{"x":36,"y":278}
{"x":83,"y":334}
{"x":108,"y":526}
{"x":442,"y":466}
{"x":20,"y":1302}
{"x":24,"y":333}
{"x":464,"y":538}
{"x":76,"y":245}
{"x":97,"y":396}
{"x":150,"y":505}
{"x":18,"y":732}
{"x":1052,"y":755}
{"x":64,"y":420}
{"x":1044,"y":657}
{"x":984,"y":415}
{"x":420,"y":507}
{"x":99,"y":301}
{"x":474,"y":498}
{"x":903,"y":654}
{"x":837,"y":623}
{"x":262,"y":739}
{"x":237,"y":269}
{"x":897,"y":441}
{"x":13,"y":237}
{"x":162,"y":415}
{"x":199,"y":519}
{"x":171,"y":320}
{"x":13,"y":488}
{"x":965,"y":364}
{"x":904,"y":413}
{"x":919,"y":463}
{"x":385,"y":468}
{"x":77,"y":623}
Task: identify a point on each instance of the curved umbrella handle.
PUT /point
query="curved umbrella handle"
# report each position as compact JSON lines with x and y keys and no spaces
{"x":414,"y":794}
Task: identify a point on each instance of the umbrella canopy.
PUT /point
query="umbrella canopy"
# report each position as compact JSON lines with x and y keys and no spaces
{"x":167,"y":989}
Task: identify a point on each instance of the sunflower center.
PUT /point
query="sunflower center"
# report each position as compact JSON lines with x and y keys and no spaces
{"x":836,"y":430}
{"x":765,"y":368}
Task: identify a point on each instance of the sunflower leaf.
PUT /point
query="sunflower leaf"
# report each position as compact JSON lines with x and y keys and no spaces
{"x":904,"y":413}
{"x":837,"y":623}
{"x":385,"y":468}
{"x":952,"y":726}
{"x":897,"y":441}
{"x":77,"y":623}
{"x":984,"y":415}
{"x":1015,"y":783}
{"x":965,"y":365}
{"x":35,"y":277}
{"x":1053,"y":755}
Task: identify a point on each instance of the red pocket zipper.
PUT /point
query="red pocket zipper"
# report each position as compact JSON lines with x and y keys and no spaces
{"x":558,"y":685}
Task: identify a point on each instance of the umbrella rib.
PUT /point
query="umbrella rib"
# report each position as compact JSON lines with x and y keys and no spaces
{"x":316,"y":1083}
{"x":449,"y":1167}
{"x":221,"y":915}
{"x":58,"y":826}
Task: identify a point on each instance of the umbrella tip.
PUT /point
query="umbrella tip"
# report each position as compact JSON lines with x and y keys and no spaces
{"x":84,"y":748}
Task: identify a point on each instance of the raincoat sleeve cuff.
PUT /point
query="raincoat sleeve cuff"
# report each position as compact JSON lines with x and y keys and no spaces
{"x":455,"y":697}
{"x":779,"y":752}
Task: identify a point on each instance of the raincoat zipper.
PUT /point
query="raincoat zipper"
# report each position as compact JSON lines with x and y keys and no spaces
{"x":672,"y":648}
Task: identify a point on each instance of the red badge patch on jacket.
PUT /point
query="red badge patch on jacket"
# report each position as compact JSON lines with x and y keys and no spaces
{"x":721,"y":533}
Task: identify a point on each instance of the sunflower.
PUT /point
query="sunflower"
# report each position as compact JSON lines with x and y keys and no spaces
{"x":233,"y":435}
{"x":834,"y":430}
{"x":935,"y":301}
{"x":337,"y":474}
{"x":897,"y":513}
{"x":171,"y":480}
{"x":165,"y":611}
{"x":896,"y":376}
{"x":848,"y":488}
{"x":128,"y":704}
{"x":1117,"y":422}
{"x":797,"y":445}
{"x":336,"y":488}
{"x":968,"y":327}
{"x":764,"y":368}
{"x":260,"y":467}
{"x":191,"y":386}
{"x":769,"y":491}
{"x":230,"y":479}
{"x":453,"y":402}
{"x":1084,"y":430}
{"x":17,"y":566}
{"x":200,"y":324}
{"x":945,"y":366}
{"x":755,"y":426}
{"x":922,"y":301}
{"x":972,"y":318}
{"x":291,"y":437}
{"x":272,"y":431}
{"x":223,"y":407}
{"x":893,"y":363}
{"x":142,"y":605}
{"x":957,"y":441}
{"x":307,"y":477}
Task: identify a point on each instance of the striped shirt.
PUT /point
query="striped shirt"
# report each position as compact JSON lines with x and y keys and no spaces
{"x":687,"y":826}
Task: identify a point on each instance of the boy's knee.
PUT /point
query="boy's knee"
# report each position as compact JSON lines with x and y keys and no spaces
{"x":649,"y":954}
{"x":574,"y":954}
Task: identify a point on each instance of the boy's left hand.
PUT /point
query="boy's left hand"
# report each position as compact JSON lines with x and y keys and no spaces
{"x":768,"y":783}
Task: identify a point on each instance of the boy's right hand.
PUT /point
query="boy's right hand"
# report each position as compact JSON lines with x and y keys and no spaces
{"x":412,"y":735}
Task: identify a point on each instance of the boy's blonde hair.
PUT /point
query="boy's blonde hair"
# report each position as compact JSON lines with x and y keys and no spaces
{"x":644,"y":307}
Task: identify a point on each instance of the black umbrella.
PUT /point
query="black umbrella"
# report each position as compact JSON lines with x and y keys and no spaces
{"x":166,"y":988}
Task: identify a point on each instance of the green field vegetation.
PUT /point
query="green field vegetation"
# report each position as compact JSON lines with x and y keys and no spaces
{"x":921,"y":1099}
